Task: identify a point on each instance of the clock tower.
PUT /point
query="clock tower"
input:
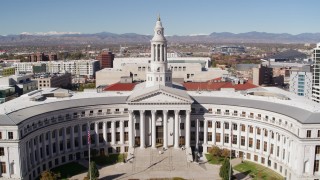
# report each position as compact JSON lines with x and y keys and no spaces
{"x":158,"y":72}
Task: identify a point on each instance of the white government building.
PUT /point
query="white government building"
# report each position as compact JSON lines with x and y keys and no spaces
{"x":48,"y":128}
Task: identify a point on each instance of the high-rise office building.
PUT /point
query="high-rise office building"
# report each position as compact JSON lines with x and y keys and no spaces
{"x":106,"y":59}
{"x":316,"y":74}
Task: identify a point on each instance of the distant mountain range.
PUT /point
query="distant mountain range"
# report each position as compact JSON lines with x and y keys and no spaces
{"x":56,"y":38}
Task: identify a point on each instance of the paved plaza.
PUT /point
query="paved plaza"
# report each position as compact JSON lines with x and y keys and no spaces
{"x":149,"y":163}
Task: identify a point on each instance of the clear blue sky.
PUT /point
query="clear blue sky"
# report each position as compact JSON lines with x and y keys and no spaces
{"x":180,"y":17}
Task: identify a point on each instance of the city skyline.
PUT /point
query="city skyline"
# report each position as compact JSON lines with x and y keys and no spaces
{"x":181,"y":18}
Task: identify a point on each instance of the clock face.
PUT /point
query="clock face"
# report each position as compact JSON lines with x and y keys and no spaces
{"x":159,"y":32}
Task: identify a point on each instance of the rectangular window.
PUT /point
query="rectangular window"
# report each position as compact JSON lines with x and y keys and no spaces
{"x":209,"y":124}
{"x":100,"y":137}
{"x":265,"y":146}
{"x":108,"y":137}
{"x":3,"y":167}
{"x":126,"y":136}
{"x":136,"y":126}
{"x":218,"y":125}
{"x":10,"y":135}
{"x":226,"y":138}
{"x":243,"y":128}
{"x":217,"y":137}
{"x":318,"y":133}
{"x":181,"y":125}
{"x":258,"y":131}
{"x":316,"y":165}
{"x":1,"y":151}
{"x":234,"y":139}
{"x":209,"y":136}
{"x":126,"y":123}
{"x":317,"y":149}
{"x":117,"y":124}
{"x":258,"y":144}
{"x":308,"y":133}
{"x":226,"y":125}
{"x":235,"y":126}
{"x":250,"y":142}
{"x":100,"y":125}
{"x":243,"y":141}
{"x":117,"y":136}
{"x":271,"y":149}
{"x":251,"y":129}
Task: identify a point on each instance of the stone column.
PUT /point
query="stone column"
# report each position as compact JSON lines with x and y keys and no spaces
{"x":113,"y":133}
{"x":104,"y":129}
{"x":176,"y":129}
{"x":96,"y":129}
{"x":205,"y":132}
{"x":239,"y":136}
{"x":165,"y":128}
{"x":80,"y":136}
{"x":142,"y":129}
{"x":72,"y":137}
{"x":222,"y":133}
{"x":187,"y":129}
{"x":131,"y":135}
{"x":254,"y":138}
{"x":121,"y":132}
{"x":214,"y":132}
{"x":197,"y":134}
{"x":153,"y":131}
{"x":65,"y":142}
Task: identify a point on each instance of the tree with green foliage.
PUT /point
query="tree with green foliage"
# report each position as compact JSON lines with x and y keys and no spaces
{"x":225,"y":169}
{"x":94,"y":171}
{"x":48,"y":175}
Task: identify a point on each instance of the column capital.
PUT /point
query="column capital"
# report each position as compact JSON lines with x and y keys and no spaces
{"x":141,"y":111}
{"x":188,"y":111}
{"x":176,"y":112}
{"x":165,"y":111}
{"x":153,"y":111}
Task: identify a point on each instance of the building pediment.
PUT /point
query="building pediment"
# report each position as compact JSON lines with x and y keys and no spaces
{"x":160,"y":94}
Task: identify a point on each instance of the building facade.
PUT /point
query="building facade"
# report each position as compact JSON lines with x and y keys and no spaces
{"x":75,"y":67}
{"x":301,"y":83}
{"x":106,"y":59}
{"x":53,"y":80}
{"x":48,"y":128}
{"x":316,"y":74}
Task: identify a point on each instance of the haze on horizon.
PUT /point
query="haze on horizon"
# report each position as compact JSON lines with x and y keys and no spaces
{"x":179,"y":17}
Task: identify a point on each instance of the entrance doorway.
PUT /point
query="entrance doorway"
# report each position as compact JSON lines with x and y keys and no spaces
{"x":137,"y":141}
{"x":181,"y":141}
{"x":159,"y":135}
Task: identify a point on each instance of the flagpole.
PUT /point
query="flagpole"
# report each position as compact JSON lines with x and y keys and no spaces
{"x":230,"y":152}
{"x":89,"y":143}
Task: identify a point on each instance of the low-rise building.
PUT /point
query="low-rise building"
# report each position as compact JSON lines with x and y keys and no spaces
{"x":53,"y":80}
{"x":7,"y":71}
{"x":22,"y":83}
{"x":188,"y":69}
{"x":75,"y":67}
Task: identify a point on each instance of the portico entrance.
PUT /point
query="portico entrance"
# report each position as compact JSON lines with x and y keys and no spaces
{"x":159,"y":135}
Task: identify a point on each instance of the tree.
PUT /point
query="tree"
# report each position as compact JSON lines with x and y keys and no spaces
{"x":94,"y":171}
{"x":215,"y":151}
{"x":48,"y":175}
{"x":225,"y":153}
{"x":225,"y":169}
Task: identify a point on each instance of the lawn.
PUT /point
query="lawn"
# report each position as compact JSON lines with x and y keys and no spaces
{"x":257,"y":171}
{"x":69,"y":170}
{"x":214,"y":159}
{"x":107,"y":160}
